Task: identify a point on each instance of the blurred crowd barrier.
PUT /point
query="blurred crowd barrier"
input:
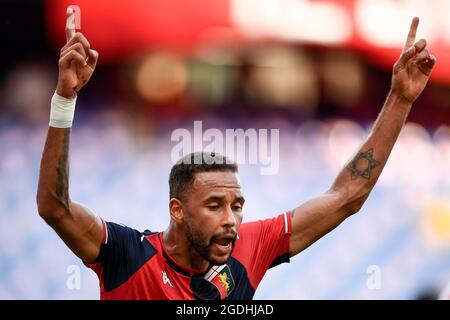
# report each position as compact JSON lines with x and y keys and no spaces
{"x":260,"y":79}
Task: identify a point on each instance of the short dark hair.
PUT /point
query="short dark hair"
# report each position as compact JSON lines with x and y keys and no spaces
{"x":183,"y":172}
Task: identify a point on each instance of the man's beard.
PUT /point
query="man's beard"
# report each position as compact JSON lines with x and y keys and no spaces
{"x":203,"y":246}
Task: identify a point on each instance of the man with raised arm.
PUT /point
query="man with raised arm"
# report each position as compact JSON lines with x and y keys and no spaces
{"x":205,"y":252}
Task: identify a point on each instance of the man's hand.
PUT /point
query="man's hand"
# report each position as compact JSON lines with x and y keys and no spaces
{"x":77,"y":60}
{"x":413,"y":69}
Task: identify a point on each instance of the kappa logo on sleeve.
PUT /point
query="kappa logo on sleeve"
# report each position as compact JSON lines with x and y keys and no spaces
{"x":166,"y":279}
{"x":222,"y":279}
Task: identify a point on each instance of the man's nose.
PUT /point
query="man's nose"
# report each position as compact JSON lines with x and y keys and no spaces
{"x":230,"y":218}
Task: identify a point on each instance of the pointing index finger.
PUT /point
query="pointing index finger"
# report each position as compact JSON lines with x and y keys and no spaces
{"x":412,"y":34}
{"x":70,"y":24}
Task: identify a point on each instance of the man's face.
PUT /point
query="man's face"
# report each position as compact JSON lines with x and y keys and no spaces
{"x":213,"y":213}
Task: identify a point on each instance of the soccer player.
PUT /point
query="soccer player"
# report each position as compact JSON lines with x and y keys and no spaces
{"x":205,"y":252}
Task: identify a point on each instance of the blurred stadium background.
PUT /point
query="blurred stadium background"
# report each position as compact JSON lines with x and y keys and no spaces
{"x":316,"y":70}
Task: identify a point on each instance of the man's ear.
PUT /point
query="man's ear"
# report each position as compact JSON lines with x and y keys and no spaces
{"x":176,"y":210}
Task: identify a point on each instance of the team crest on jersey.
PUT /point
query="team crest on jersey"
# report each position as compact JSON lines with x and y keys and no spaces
{"x":222,"y":279}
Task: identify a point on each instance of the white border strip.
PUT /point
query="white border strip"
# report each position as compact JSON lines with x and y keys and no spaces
{"x":106,"y":230}
{"x":285,"y":223}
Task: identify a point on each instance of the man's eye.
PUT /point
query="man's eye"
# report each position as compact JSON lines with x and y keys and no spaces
{"x":237,"y":208}
{"x":213,"y":207}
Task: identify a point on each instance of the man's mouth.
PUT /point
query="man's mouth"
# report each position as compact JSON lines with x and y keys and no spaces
{"x":224,"y":244}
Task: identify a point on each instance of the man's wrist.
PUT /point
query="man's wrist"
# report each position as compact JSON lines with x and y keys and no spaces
{"x":68,"y":94}
{"x":398,"y":101}
{"x":62,"y":111}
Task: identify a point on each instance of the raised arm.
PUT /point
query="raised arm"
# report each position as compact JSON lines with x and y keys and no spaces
{"x":77,"y":226}
{"x":317,"y":217}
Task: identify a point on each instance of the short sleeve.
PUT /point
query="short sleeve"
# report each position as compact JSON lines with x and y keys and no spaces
{"x":122,"y":253}
{"x":263,"y":245}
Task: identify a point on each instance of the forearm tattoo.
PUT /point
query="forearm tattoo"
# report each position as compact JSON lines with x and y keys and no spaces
{"x":62,"y":170}
{"x":362,"y":165}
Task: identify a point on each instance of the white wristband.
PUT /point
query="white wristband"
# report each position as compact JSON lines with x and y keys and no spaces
{"x":62,"y":111}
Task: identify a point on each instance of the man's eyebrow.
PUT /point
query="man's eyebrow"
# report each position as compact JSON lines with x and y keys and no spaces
{"x":217,"y":198}
{"x":214,"y":198}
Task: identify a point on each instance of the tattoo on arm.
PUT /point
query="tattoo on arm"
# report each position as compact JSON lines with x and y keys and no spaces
{"x":362,"y":165}
{"x":62,"y":170}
